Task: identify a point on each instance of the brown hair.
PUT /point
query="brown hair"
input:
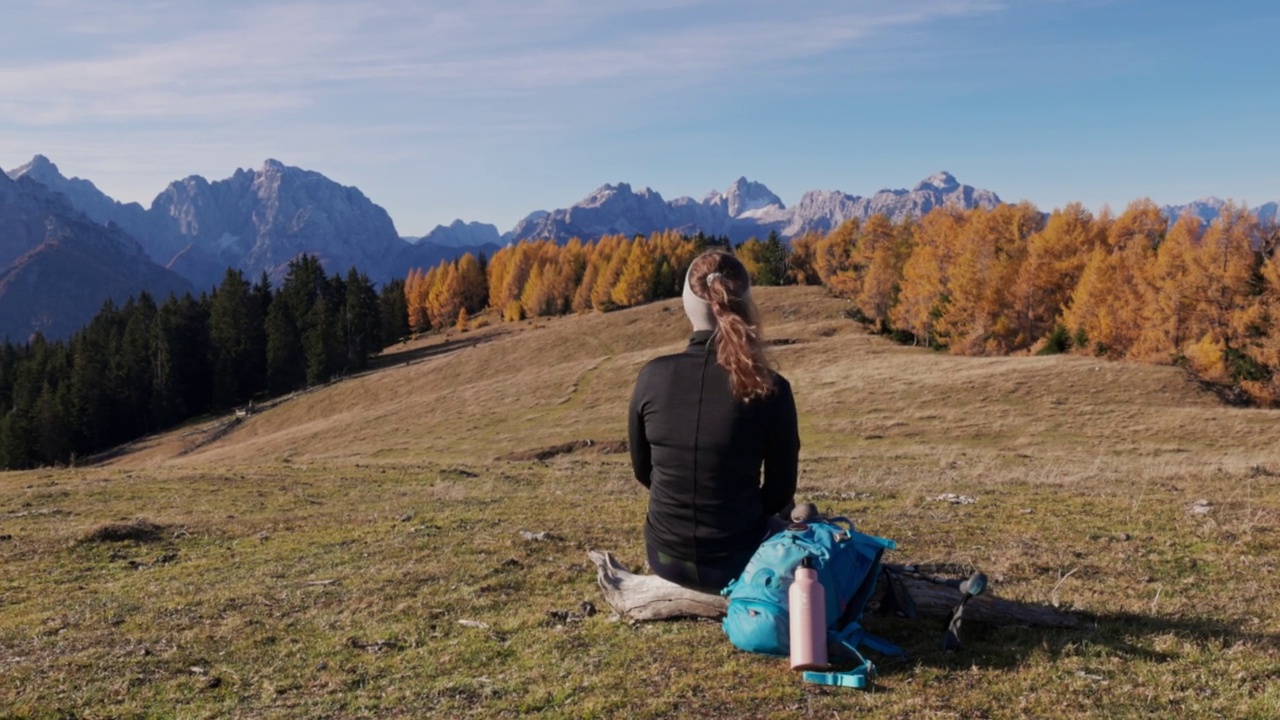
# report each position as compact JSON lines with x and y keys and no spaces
{"x":740,"y":345}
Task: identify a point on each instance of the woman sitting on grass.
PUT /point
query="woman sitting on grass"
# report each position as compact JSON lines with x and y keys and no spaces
{"x":702,"y":425}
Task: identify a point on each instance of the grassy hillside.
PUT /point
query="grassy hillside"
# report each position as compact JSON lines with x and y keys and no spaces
{"x":356,"y":549}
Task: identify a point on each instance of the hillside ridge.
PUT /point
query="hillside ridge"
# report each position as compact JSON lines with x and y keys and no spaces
{"x":517,"y":387}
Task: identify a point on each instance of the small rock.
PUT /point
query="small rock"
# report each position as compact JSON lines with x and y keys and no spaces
{"x":406,"y":517}
{"x":954,"y":499}
{"x":536,"y":536}
{"x":1201,"y":507}
{"x":588,"y":608}
{"x":563,"y":617}
{"x":474,"y":624}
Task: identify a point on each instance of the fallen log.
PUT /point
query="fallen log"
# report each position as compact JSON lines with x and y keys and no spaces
{"x":640,"y":598}
{"x":649,"y":597}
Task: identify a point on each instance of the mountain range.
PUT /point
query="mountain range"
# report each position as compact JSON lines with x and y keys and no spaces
{"x":58,"y":266}
{"x":258,"y":220}
{"x":255,"y":221}
{"x":746,"y":209}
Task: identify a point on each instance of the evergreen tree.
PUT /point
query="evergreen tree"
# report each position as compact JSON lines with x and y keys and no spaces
{"x":285,"y":368}
{"x":360,"y":321}
{"x":129,"y":369}
{"x":237,"y":341}
{"x":183,"y":347}
{"x":393,"y":313}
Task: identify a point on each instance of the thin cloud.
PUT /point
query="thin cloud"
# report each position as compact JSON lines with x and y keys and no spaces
{"x":282,"y":58}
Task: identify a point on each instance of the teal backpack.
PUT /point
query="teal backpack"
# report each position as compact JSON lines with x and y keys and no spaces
{"x":848,"y":564}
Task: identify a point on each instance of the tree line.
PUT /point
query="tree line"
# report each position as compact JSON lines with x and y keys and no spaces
{"x":542,"y":278}
{"x":142,"y":367}
{"x":1005,"y":280}
{"x":998,"y":281}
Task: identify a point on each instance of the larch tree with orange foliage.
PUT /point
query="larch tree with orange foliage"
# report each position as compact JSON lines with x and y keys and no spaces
{"x":1106,"y":308}
{"x":473,"y":284}
{"x":923,"y":295}
{"x":881,"y":251}
{"x":415,"y":297}
{"x":581,"y":302}
{"x":1056,"y":256}
{"x":445,"y":298}
{"x":835,"y":259}
{"x":801,"y":268}
{"x":635,"y":284}
{"x":1257,"y":330}
{"x":1173,"y":283}
{"x":977,"y":319}
{"x":602,"y":290}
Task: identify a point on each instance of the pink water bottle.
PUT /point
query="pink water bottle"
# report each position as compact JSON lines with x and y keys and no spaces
{"x":808,"y":609}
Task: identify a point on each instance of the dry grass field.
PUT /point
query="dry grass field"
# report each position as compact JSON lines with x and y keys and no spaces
{"x":356,"y":550}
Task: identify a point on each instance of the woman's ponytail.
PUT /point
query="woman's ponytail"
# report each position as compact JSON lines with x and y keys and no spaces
{"x":721,"y":280}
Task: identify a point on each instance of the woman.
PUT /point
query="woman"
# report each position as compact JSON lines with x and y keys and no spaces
{"x":702,"y":425}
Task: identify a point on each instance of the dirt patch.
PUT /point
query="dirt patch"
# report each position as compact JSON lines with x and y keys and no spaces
{"x":138,"y":531}
{"x":603,"y":447}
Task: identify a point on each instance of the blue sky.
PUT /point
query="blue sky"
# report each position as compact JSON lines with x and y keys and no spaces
{"x":489,"y":109}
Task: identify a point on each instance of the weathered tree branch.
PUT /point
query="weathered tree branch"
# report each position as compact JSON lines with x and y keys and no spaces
{"x":649,"y":597}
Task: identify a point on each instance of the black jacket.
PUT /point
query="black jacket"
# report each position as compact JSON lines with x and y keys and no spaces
{"x":700,"y":452}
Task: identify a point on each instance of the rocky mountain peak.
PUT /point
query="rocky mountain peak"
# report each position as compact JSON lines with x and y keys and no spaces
{"x":38,"y":168}
{"x":745,"y":196}
{"x":940,"y":181}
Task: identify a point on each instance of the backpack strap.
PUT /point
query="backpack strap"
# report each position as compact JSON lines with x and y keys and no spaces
{"x":855,"y":678}
{"x":859,"y":676}
{"x":854,"y":635}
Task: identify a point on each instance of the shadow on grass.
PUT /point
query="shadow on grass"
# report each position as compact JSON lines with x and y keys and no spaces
{"x":408,"y":357}
{"x":1124,"y":635}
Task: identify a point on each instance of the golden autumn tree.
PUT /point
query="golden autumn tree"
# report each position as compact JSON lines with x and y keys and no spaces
{"x":673,"y":254}
{"x":1171,"y":286}
{"x":881,"y":251}
{"x":1227,"y":262}
{"x":499,"y":268}
{"x":582,"y":294}
{"x":834,"y":259}
{"x":1056,"y":256}
{"x":1257,"y":327}
{"x":1106,"y":308}
{"x":602,"y":290}
{"x":801,"y":268}
{"x":535,"y":297}
{"x":563,"y":275}
{"x":517,"y":274}
{"x":415,"y":292}
{"x":445,"y":298}
{"x":977,"y":318}
{"x":751,"y":254}
{"x":635,"y":283}
{"x":473,"y":284}
{"x":923,"y":295}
